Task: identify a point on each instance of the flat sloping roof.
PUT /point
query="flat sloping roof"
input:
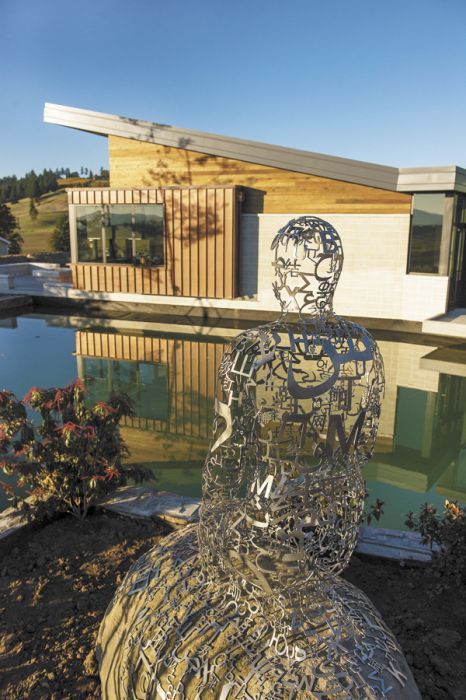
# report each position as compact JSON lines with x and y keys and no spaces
{"x":332,"y":167}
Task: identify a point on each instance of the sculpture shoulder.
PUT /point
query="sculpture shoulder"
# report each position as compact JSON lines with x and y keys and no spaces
{"x":251,"y":339}
{"x":285,"y":335}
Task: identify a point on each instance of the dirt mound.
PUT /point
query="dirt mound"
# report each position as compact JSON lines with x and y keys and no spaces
{"x":431,"y":631}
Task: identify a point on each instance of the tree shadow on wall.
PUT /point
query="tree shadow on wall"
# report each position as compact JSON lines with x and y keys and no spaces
{"x":224,"y":173}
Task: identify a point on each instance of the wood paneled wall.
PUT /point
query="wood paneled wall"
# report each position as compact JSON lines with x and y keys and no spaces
{"x":192,"y":366}
{"x":268,"y":189}
{"x":200,"y":244}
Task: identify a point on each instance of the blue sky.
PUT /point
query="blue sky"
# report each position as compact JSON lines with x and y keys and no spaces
{"x":376,"y":81}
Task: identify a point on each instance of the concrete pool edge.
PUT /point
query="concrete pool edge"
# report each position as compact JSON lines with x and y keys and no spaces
{"x":15,"y":302}
{"x":145,"y":503}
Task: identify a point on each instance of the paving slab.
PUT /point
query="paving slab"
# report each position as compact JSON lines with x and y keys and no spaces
{"x":11,"y":523}
{"x":140,"y":502}
{"x":393,"y":544}
{"x":451,"y":324}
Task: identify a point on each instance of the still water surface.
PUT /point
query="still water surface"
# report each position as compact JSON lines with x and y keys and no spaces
{"x":170,"y":373}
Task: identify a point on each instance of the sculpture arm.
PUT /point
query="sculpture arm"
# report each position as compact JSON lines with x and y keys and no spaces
{"x":231,"y":451}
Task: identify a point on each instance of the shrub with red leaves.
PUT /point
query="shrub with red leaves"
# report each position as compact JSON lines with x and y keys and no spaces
{"x":447,"y":530}
{"x":73,"y":457}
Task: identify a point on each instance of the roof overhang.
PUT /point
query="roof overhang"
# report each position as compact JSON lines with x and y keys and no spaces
{"x":358,"y":172}
{"x":440,"y":179}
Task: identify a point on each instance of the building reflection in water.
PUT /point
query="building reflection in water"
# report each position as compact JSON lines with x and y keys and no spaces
{"x":421,"y":449}
{"x":171,"y":381}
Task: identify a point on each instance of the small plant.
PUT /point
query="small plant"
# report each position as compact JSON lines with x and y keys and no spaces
{"x":71,"y":458}
{"x":147,"y":260}
{"x":448,"y":531}
{"x":372,"y":510}
{"x":375,"y":511}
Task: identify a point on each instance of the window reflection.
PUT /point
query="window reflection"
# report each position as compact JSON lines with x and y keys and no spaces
{"x":118,"y":223}
{"x":89,"y":232}
{"x":119,"y":233}
{"x":147,"y":220}
{"x":145,"y":383}
{"x":426,"y":233}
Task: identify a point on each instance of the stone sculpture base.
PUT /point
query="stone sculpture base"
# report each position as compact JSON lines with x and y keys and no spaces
{"x":170,"y":633}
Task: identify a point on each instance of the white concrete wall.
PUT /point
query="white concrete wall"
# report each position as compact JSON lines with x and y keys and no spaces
{"x":373,"y":283}
{"x":27,"y":268}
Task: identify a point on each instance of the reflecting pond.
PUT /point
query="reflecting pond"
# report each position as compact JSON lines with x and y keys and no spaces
{"x":169,"y":370}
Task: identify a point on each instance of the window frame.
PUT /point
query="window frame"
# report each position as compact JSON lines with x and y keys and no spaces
{"x":444,"y":258}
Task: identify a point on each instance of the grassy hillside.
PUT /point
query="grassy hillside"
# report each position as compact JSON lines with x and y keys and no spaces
{"x":37,"y":232}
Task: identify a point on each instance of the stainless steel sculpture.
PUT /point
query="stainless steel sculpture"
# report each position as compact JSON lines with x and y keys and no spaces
{"x":250,"y":604}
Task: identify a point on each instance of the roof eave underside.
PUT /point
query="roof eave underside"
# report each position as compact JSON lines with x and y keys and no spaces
{"x":332,"y":167}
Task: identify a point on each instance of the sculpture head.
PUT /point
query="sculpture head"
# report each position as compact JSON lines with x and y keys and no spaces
{"x":308,"y":263}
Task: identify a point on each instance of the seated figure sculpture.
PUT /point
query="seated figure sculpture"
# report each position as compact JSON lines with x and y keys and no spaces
{"x":249,"y":604}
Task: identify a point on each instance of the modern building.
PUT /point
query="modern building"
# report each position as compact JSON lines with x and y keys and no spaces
{"x":189,"y":217}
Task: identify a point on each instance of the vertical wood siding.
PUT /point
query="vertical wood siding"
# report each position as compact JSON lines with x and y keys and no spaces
{"x":200,"y":244}
{"x":192,"y":367}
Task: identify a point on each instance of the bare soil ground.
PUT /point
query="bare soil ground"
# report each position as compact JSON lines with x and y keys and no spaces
{"x":430,"y":630}
{"x":56,"y":582}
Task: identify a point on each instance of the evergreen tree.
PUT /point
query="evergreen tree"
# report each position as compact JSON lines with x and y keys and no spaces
{"x":9,"y":229}
{"x":13,"y":195}
{"x":32,"y":209}
{"x":60,"y":240}
{"x":32,"y":185}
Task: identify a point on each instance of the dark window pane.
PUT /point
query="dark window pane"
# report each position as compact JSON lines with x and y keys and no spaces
{"x":426,"y":232}
{"x":118,"y":229}
{"x":89,"y":230}
{"x":148,"y":225}
{"x":460,"y":213}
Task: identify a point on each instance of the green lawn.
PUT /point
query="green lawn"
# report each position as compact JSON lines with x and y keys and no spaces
{"x":36,"y":232}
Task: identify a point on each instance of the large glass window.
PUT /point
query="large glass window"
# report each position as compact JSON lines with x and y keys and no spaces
{"x":124,"y":233}
{"x":426,"y":233}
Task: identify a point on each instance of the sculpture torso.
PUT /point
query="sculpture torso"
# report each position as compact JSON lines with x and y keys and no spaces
{"x":296,"y":418}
